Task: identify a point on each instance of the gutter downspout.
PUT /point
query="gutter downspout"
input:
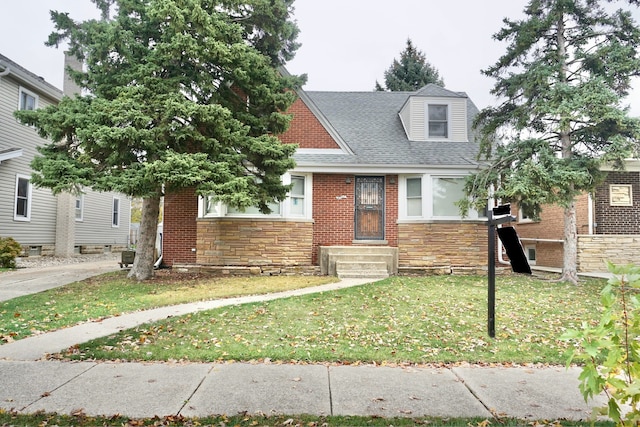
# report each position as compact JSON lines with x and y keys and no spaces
{"x":501,"y":259}
{"x":590,"y":215}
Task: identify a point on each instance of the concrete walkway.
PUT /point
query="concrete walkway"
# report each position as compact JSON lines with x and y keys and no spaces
{"x":30,"y":383}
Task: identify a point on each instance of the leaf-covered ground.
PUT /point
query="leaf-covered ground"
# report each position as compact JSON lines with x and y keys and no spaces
{"x":246,"y":420}
{"x":113,"y":294}
{"x":438,"y":319}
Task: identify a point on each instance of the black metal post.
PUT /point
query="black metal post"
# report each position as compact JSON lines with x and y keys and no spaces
{"x":491,"y":300}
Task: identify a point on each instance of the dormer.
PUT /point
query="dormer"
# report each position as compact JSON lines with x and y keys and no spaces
{"x":435,"y":114}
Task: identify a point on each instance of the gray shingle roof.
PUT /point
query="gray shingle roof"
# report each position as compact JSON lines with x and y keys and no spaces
{"x":369,"y":124}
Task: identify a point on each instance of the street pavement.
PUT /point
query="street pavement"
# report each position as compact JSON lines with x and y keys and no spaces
{"x":31,"y":383}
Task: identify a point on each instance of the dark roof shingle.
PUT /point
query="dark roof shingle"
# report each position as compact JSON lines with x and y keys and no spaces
{"x":369,"y":124}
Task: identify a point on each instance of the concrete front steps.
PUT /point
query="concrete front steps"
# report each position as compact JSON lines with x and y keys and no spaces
{"x":358,"y":261}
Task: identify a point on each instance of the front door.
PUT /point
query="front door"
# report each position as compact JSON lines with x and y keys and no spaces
{"x":369,"y":208}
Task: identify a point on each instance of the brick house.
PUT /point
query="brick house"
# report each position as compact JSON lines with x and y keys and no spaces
{"x":608,"y":225}
{"x":374,"y":188}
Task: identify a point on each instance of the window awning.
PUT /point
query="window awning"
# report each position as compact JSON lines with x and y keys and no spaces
{"x":10,"y":153}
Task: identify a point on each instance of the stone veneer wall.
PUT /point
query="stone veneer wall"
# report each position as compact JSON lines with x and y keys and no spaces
{"x":595,"y":250}
{"x":252,"y":242}
{"x":442,"y":244}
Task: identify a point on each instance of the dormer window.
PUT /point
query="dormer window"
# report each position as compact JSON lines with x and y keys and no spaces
{"x":438,"y":121}
{"x":435,"y":117}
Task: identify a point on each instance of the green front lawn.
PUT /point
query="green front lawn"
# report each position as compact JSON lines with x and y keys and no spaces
{"x":112,"y":294}
{"x":439,"y":319}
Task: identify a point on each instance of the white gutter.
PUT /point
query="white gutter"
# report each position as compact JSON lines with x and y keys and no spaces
{"x":36,"y":82}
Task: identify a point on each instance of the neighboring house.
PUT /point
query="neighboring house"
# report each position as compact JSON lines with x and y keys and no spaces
{"x":42,"y":223}
{"x":374,"y":189}
{"x":608,"y":225}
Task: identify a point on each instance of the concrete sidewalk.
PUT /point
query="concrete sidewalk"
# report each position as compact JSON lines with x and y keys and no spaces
{"x":30,"y":383}
{"x":195,"y":390}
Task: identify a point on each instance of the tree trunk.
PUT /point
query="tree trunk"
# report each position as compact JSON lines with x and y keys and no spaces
{"x":145,"y":250}
{"x":570,"y":259}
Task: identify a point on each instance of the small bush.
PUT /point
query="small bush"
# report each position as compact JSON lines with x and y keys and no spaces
{"x":9,"y":250}
{"x":610,"y":350}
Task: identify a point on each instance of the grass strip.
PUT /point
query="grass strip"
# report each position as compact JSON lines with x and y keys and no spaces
{"x":439,"y":319}
{"x":81,"y":420}
{"x":113,"y":294}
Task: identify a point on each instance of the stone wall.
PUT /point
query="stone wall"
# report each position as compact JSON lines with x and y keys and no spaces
{"x":253,"y":242}
{"x":595,"y":250}
{"x":442,"y":244}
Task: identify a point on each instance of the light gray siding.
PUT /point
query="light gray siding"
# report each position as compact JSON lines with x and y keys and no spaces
{"x":96,"y":224}
{"x":40,"y":230}
{"x":415,"y":111}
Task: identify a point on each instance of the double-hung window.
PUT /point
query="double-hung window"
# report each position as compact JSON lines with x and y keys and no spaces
{"x":437,"y":121}
{"x":79,"y":207}
{"x":297,"y":196}
{"x":414,"y":197}
{"x":115,"y":212}
{"x":28,"y":100}
{"x":22,"y":211}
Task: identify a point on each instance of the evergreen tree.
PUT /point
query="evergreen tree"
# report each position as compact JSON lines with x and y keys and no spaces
{"x":180,"y":94}
{"x":410,"y":73}
{"x":566,"y":69}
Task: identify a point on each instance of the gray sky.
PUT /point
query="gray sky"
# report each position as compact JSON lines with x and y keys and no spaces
{"x":346,"y":44}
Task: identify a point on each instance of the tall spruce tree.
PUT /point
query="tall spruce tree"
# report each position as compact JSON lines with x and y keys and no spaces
{"x":561,"y":82}
{"x":180,"y":94}
{"x":410,"y":73}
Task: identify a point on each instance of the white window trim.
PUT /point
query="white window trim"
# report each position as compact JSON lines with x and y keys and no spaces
{"x":115,"y":224}
{"x":521,"y":218}
{"x":81,"y":198}
{"x":526,"y":253}
{"x":426,"y":120}
{"x":16,"y":217}
{"x":402,"y":189}
{"x":285,"y":205}
{"x":427,"y":200}
{"x":30,"y":93}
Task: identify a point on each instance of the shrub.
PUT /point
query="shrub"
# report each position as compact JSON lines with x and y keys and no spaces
{"x":9,"y":250}
{"x":610,"y":350}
